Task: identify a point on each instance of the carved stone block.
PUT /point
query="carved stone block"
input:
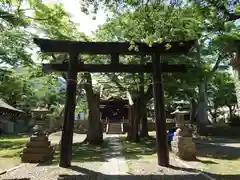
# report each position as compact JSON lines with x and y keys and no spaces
{"x":184,"y":147}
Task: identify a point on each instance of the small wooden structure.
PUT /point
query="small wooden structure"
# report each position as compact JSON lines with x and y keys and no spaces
{"x":8,"y":112}
{"x":114,"y":49}
{"x":7,"y":109}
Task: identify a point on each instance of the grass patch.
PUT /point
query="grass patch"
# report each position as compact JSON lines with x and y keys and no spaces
{"x":11,"y":147}
{"x":86,"y":152}
{"x":219,"y":159}
{"x":225,"y":158}
{"x":221,"y":166}
{"x":145,"y":149}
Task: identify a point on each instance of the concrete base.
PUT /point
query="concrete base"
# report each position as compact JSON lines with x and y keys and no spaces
{"x":37,"y":150}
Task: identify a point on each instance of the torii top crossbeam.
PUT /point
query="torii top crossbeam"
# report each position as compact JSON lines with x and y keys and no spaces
{"x":121,"y":48}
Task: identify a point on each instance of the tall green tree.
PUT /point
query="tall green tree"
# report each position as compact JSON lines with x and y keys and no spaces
{"x":152,"y":23}
{"x":222,"y":93}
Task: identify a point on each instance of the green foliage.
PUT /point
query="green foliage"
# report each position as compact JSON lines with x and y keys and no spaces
{"x":20,"y":87}
{"x":222,"y":9}
{"x":156,"y":23}
{"x":222,"y":90}
{"x":14,"y":45}
{"x":12,"y":14}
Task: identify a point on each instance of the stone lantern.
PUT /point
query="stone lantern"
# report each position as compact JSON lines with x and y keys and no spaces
{"x":183,"y":144}
{"x":38,"y":149}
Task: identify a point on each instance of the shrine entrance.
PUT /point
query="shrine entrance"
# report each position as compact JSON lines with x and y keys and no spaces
{"x":114,"y":109}
{"x":114,"y":49}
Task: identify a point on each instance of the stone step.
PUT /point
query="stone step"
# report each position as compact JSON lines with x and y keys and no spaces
{"x":39,"y":138}
{"x":38,"y":150}
{"x":111,"y":127}
{"x":36,"y":158}
{"x":114,"y":132}
{"x":114,"y":128}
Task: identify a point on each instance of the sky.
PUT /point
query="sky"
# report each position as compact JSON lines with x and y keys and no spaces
{"x":86,"y":23}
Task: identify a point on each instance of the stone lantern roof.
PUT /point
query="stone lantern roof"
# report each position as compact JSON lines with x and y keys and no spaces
{"x":179,"y":112}
{"x":40,"y":109}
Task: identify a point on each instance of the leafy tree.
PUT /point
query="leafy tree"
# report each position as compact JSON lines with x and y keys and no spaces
{"x":154,"y":23}
{"x":57,"y":25}
{"x":222,"y":93}
{"x":213,"y":15}
{"x":222,"y":9}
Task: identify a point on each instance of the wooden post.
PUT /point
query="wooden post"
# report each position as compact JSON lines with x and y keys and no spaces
{"x":68,"y":125}
{"x":141,"y":88}
{"x":159,"y":110}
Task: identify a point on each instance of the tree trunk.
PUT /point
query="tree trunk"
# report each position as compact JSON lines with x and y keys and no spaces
{"x":133,"y":130}
{"x":236,"y":76}
{"x":130,"y":124}
{"x":230,"y":112}
{"x":135,"y":113}
{"x":142,"y":106}
{"x":202,"y":113}
{"x":215,"y":114}
{"x":144,"y":129}
{"x":136,"y":121}
{"x":95,"y":131}
{"x":193,"y":109}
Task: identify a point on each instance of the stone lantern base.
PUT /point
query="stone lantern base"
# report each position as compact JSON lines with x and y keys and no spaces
{"x":37,"y":150}
{"x":184,"y":147}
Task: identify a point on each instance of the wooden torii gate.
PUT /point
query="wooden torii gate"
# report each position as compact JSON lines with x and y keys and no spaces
{"x":74,"y":49}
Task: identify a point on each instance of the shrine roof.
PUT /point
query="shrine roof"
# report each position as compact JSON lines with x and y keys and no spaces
{"x":113,"y":100}
{"x":7,"y":109}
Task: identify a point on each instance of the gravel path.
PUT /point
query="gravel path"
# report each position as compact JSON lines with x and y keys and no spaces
{"x":115,"y":163}
{"x":151,"y":171}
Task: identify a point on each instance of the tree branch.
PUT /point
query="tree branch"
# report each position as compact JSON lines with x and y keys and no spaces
{"x":221,"y":7}
{"x":116,"y":81}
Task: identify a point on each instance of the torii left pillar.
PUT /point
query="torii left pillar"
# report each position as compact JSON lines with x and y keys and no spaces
{"x":70,"y":103}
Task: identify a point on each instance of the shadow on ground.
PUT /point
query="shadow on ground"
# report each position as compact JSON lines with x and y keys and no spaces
{"x":83,"y":152}
{"x":217,"y":151}
{"x":190,"y":174}
{"x":221,"y":140}
{"x":131,"y":150}
{"x":147,"y":146}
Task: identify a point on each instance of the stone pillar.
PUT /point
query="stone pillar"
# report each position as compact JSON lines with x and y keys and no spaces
{"x":183,"y":145}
